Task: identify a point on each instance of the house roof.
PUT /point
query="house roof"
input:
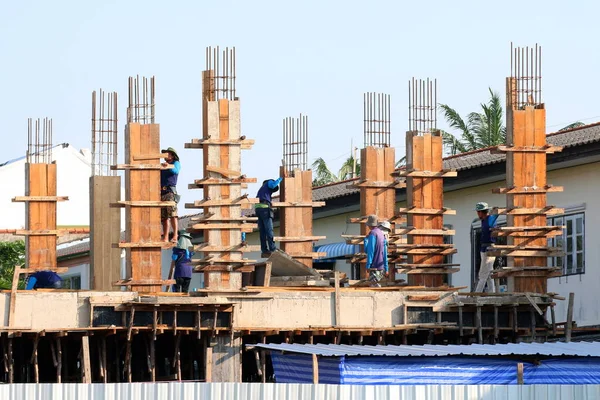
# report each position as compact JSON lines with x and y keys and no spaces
{"x":557,"y":349}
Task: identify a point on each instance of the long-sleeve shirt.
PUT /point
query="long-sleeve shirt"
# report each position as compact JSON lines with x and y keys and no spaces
{"x":486,"y":238}
{"x":376,"y":247}
{"x":265,"y":192}
{"x":168,"y":177}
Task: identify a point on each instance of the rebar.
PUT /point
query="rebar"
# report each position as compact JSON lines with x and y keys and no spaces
{"x":526,"y":71}
{"x":39,"y":141}
{"x":223,"y":77}
{"x":295,"y":143}
{"x":376,"y":120}
{"x":141,"y":100}
{"x":104,"y":133}
{"x":422,"y":105}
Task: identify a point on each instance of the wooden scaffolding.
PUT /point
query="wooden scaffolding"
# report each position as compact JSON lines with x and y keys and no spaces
{"x":527,"y":187}
{"x":142,"y":202}
{"x":222,"y":221}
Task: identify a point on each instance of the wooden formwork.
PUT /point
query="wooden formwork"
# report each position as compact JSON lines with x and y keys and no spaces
{"x":425,"y":212}
{"x":40,"y":216}
{"x":142,"y":208}
{"x":222,"y":221}
{"x":377,"y":194}
{"x":526,"y":199}
{"x":105,"y":229}
{"x":295,"y":216}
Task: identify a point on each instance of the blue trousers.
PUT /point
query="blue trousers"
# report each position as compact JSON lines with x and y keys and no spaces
{"x":265,"y":227}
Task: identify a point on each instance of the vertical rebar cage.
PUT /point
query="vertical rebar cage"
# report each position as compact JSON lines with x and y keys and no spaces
{"x":422,"y":105}
{"x":39,"y":141}
{"x":222,"y":65}
{"x":526,"y":71}
{"x":141,"y":100}
{"x":376,"y":121}
{"x":295,"y":143}
{"x":104,"y":133}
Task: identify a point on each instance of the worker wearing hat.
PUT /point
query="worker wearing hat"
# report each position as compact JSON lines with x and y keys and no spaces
{"x":487,"y":262}
{"x":168,"y":192}
{"x":376,"y":245}
{"x":181,"y":263}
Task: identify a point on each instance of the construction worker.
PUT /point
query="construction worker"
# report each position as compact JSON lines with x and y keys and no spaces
{"x":181,"y":262}
{"x":168,"y":192}
{"x":376,"y":245}
{"x":44,"y":280}
{"x":487,"y":262}
{"x":264,"y":212}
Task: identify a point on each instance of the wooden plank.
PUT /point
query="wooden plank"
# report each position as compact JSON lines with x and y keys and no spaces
{"x":105,"y":232}
{"x":279,"y":204}
{"x":527,"y":189}
{"x":40,"y":216}
{"x":211,"y":226}
{"x":144,"y":282}
{"x":223,"y":171}
{"x":546,"y":149}
{"x":428,"y":174}
{"x":213,"y":218}
{"x":427,"y":270}
{"x":199,"y":143}
{"x":206,"y":247}
{"x":426,"y":211}
{"x":161,"y":244}
{"x":569,"y":324}
{"x":140,"y":166}
{"x":547,"y":210}
{"x":87,"y":368}
{"x":520,"y":380}
{"x":220,"y":181}
{"x":375,"y":185}
{"x":39,"y":198}
{"x":299,"y":238}
{"x":13,"y":296}
{"x":427,"y":265}
{"x":208,"y":361}
{"x":337,"y":298}
{"x":143,"y":203}
{"x":315,"y":369}
{"x":223,"y":202}
{"x":145,"y":157}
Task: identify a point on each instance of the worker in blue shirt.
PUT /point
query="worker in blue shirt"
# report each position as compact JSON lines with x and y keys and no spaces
{"x":264,"y":212}
{"x":181,"y":262}
{"x":376,"y":248}
{"x":168,"y":192}
{"x":487,"y":262}
{"x":44,"y":280}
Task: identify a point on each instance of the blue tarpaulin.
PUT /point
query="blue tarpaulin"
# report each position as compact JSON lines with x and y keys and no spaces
{"x":377,"y":370}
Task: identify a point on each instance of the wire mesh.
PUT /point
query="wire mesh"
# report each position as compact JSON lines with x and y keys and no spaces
{"x":104,"y":133}
{"x":39,"y":141}
{"x":295,"y":143}
{"x":222,"y":65}
{"x":376,"y":108}
{"x":526,"y":74}
{"x":422,"y":105}
{"x":141,"y":100}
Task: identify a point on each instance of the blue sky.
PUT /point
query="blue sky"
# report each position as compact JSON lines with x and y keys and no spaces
{"x":310,"y":57}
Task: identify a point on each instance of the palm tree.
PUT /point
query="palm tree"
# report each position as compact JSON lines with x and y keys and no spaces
{"x":322,"y":175}
{"x":572,"y":126}
{"x":345,"y":171}
{"x":481,"y":129}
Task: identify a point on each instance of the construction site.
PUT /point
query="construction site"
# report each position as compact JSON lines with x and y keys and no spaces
{"x":134,"y":329}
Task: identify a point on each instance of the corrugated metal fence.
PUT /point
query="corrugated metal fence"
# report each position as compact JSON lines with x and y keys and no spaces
{"x":281,"y":391}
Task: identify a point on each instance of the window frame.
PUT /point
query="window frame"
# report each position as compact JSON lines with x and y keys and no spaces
{"x":553,"y":242}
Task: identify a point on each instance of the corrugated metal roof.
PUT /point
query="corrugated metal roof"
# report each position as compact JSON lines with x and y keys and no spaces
{"x":579,"y":349}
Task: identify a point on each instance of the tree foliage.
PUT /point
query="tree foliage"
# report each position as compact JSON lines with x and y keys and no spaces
{"x":11,"y":254}
{"x":345,"y":171}
{"x":322,"y":174}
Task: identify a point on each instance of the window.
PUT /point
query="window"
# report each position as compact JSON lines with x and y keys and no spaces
{"x":71,"y":282}
{"x":572,"y":243}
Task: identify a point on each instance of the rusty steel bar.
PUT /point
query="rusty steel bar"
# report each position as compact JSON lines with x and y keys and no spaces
{"x":422,"y":105}
{"x":104,"y":131}
{"x":526,"y":70}
{"x":295,"y":143}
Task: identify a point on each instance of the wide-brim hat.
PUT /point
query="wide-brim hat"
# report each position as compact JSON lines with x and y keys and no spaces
{"x":385,"y":225}
{"x":372,"y":220}
{"x":171,"y":150}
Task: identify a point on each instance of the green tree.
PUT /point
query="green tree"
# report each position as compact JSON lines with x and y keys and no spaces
{"x":11,"y":254}
{"x":322,"y":174}
{"x":479,"y":130}
{"x":345,"y":171}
